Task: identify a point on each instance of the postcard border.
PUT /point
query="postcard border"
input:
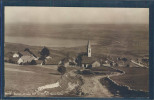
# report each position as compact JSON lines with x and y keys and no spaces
{"x":82,"y":3}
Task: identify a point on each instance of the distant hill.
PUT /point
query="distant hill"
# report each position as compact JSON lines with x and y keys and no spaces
{"x":15,"y":47}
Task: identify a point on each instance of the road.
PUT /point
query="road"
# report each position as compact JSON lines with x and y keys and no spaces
{"x":93,"y":88}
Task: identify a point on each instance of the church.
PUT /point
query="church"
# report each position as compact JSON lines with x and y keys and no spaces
{"x":87,"y":61}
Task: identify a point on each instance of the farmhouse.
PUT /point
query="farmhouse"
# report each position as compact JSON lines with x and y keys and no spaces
{"x":24,"y":60}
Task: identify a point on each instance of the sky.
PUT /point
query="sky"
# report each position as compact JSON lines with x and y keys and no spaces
{"x":76,"y":15}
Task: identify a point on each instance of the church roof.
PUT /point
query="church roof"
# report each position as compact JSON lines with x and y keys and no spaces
{"x":88,"y":60}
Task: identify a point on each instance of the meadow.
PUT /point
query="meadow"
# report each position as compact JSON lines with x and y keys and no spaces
{"x":135,"y":77}
{"x":26,"y":79}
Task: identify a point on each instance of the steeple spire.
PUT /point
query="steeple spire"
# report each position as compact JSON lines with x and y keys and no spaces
{"x":89,"y":46}
{"x":89,"y":49}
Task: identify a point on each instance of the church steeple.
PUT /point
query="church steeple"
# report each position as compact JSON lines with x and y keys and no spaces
{"x":89,"y":49}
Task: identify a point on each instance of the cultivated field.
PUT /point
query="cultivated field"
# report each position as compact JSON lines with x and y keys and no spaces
{"x":135,"y":78}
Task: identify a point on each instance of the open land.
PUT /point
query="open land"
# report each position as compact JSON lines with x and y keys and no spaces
{"x":108,"y":40}
{"x":134,"y":77}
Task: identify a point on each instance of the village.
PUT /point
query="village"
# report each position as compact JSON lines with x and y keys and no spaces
{"x":84,"y":59}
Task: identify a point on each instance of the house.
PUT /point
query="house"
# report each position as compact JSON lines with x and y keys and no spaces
{"x":24,"y":60}
{"x":27,"y":52}
{"x":52,"y":61}
{"x":96,"y":64}
{"x":106,"y":65}
{"x":17,"y":55}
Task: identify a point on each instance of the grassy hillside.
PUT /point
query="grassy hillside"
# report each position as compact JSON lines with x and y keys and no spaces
{"x":26,"y":79}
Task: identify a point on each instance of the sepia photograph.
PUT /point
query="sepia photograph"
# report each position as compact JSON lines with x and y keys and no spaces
{"x":94,"y":52}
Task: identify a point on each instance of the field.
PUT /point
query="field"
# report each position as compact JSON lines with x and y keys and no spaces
{"x":128,"y":40}
{"x":26,"y":79}
{"x":135,"y":78}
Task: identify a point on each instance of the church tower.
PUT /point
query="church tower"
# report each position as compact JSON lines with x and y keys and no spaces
{"x":89,"y":49}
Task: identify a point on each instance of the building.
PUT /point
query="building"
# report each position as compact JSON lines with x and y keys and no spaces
{"x":96,"y":64}
{"x":87,"y":61}
{"x":25,"y":60}
{"x":89,"y":49}
{"x":52,"y":61}
{"x":17,"y":55}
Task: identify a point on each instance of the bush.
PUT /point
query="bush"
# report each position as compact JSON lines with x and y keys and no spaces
{"x":62,"y":69}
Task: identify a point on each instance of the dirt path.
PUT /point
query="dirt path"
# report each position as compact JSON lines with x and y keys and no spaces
{"x":93,"y":88}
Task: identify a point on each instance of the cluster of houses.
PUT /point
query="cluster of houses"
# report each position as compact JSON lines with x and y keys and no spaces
{"x":86,"y":60}
{"x":28,"y":57}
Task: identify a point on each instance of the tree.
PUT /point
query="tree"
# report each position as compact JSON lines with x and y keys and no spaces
{"x":44,"y":52}
{"x":61,"y":69}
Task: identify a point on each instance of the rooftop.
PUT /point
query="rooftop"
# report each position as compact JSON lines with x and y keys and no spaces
{"x":88,"y":60}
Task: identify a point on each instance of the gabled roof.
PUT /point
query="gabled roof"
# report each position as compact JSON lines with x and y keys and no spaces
{"x":27,"y":58}
{"x":53,"y":61}
{"x":25,"y":53}
{"x":88,"y":60}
